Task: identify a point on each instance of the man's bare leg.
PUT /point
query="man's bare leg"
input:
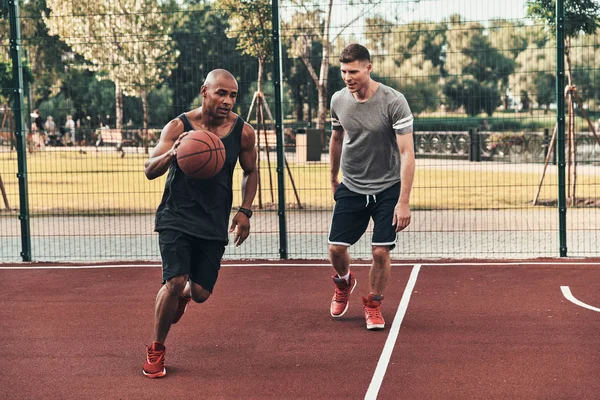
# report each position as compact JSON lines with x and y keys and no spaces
{"x":166,"y":304}
{"x":380,"y":269}
{"x":340,"y":259}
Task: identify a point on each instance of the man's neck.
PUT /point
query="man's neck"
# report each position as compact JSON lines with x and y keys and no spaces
{"x":207,"y":120}
{"x":367,"y":92}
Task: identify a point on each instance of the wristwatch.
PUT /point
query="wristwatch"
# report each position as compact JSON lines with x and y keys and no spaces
{"x":246,"y":211}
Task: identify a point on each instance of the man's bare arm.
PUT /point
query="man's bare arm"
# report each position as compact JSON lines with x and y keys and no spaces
{"x":402,"y":215}
{"x":248,"y":163}
{"x":335,"y":155}
{"x":162,"y":155}
{"x":240,"y":222}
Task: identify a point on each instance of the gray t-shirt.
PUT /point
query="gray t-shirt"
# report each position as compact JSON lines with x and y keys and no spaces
{"x":370,"y":158}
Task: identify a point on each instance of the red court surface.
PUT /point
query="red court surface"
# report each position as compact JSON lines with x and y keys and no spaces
{"x":472,"y":330}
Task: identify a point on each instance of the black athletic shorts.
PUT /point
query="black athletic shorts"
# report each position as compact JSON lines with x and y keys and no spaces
{"x":187,"y":255}
{"x":352,"y":212}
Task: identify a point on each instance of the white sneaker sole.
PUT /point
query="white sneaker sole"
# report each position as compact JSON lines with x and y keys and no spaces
{"x":375,"y":326}
{"x":157,"y":375}
{"x":347,"y":304}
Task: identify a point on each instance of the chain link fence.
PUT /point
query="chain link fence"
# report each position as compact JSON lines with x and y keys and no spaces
{"x":101,"y":79}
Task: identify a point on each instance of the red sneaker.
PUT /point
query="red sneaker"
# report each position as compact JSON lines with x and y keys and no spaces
{"x":154,"y":367}
{"x":181,"y":307}
{"x":373,"y":313}
{"x":343,"y":289}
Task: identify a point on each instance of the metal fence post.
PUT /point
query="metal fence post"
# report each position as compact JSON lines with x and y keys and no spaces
{"x":283,"y":245}
{"x":560,"y":121}
{"x":20,"y":128}
{"x":475,"y":149}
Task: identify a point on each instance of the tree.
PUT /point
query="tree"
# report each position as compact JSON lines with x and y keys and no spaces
{"x":6,"y":72}
{"x":309,"y":24}
{"x":534,"y":71}
{"x":476,"y":69}
{"x":412,"y":56}
{"x":199,"y":35}
{"x":250,"y":23}
{"x":127,"y":39}
{"x":581,"y":17}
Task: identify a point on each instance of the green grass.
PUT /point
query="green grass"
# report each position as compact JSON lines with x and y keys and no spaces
{"x":93,"y":184}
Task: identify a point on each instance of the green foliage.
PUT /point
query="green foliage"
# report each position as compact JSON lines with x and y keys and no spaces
{"x":487,"y":63}
{"x":421,"y":96}
{"x":58,"y":107}
{"x":43,"y":53}
{"x":299,"y":84}
{"x":250,"y":22}
{"x":200,"y":39}
{"x":545,"y":85}
{"x":6,"y":81}
{"x":525,"y":100}
{"x":581,"y":16}
{"x":160,"y":101}
{"x":475,"y":96}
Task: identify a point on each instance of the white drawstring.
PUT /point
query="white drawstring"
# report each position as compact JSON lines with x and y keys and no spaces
{"x":374,"y":200}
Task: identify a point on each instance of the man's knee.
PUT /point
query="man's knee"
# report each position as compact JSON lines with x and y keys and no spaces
{"x":176,"y":284}
{"x":337,"y":251}
{"x":198,"y":293}
{"x":381,"y":254}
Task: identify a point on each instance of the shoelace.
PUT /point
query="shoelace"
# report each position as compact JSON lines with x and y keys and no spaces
{"x":154,"y":356}
{"x":341,"y":295}
{"x":373,"y":312}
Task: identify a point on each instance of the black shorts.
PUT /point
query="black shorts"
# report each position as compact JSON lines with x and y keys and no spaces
{"x":186,"y":255}
{"x":352,"y":212}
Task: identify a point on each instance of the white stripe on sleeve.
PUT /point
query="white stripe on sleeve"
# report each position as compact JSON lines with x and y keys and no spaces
{"x":403,"y":123}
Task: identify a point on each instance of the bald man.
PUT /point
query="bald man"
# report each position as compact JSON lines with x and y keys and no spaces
{"x":193,"y":216}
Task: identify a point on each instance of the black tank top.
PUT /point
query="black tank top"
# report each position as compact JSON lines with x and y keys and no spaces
{"x":201,"y":207}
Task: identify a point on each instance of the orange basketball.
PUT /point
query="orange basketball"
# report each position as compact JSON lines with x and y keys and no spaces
{"x":201,"y":154}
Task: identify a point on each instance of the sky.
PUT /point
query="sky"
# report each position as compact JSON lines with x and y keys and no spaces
{"x":430,"y":10}
{"x":472,"y":10}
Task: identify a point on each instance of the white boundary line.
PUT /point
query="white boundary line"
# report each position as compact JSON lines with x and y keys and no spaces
{"x":392,"y":336}
{"x":18,"y":266}
{"x":569,"y":296}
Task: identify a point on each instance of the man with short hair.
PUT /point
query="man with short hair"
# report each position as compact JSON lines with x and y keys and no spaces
{"x":192,"y":217}
{"x":372,"y":142}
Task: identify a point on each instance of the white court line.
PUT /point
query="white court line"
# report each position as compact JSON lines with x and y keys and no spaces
{"x":569,"y":296}
{"x":32,"y":267}
{"x":392,"y":336}
{"x":284,"y":264}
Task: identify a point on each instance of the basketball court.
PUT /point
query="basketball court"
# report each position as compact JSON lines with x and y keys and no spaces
{"x":465,"y":329}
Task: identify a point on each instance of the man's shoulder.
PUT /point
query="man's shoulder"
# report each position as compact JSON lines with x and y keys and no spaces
{"x":391,"y":92}
{"x":337,"y":96}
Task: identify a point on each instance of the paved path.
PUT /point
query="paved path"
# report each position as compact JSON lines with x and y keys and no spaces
{"x":515,"y":233}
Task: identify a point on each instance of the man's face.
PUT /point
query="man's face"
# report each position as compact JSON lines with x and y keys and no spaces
{"x":356,"y":74}
{"x":219,"y":97}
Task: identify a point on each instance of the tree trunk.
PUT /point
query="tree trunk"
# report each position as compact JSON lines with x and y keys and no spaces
{"x":322,"y":87}
{"x":145,"y":137}
{"x":261,"y":69}
{"x":118,"y":106}
{"x":571,"y":181}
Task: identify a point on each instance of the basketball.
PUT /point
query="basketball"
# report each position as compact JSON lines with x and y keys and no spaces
{"x":201,"y":154}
